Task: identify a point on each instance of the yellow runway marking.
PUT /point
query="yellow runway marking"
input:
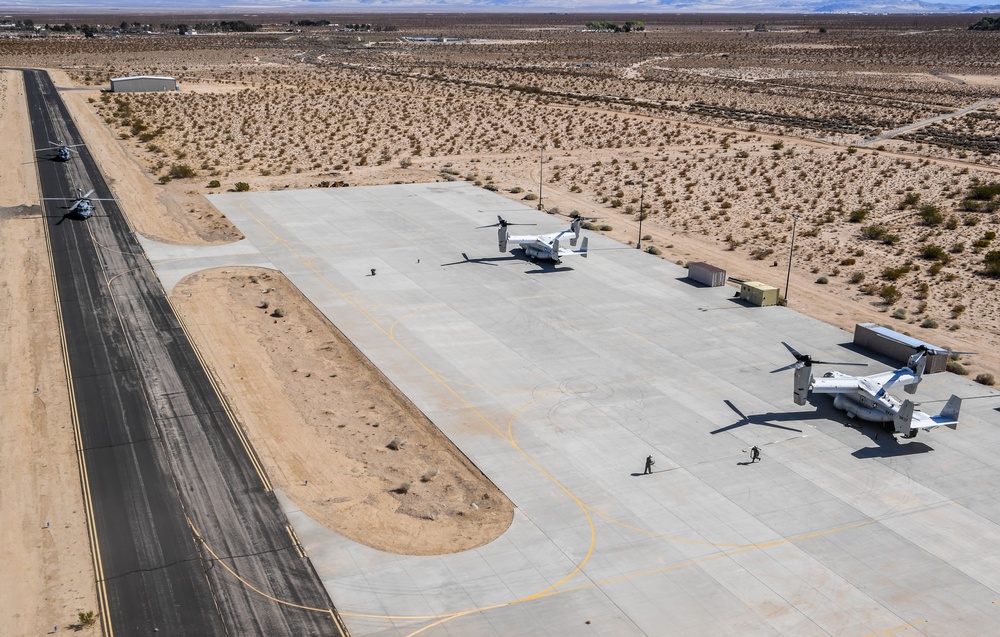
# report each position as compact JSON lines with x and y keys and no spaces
{"x":222,"y":562}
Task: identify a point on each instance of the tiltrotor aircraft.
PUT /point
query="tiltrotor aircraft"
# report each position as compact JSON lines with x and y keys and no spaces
{"x":62,"y":149}
{"x":543,"y":246}
{"x":82,"y":207}
{"x":868,"y":397}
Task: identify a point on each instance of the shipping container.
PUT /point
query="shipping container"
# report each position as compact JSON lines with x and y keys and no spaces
{"x":707,"y":274}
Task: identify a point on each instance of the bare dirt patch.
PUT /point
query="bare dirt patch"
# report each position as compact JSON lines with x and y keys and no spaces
{"x":340,"y":440}
{"x":47,"y":576}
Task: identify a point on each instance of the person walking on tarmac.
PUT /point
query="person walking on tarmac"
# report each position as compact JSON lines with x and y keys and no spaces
{"x":754,"y":453}
{"x":649,"y":465}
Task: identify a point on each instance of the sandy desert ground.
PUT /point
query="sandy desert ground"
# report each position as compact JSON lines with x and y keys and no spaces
{"x":722,"y":134}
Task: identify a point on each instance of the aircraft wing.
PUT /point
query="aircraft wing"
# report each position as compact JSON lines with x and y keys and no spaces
{"x":922,"y":420}
{"x":839,"y":384}
{"x":524,"y":238}
{"x":885,"y":380}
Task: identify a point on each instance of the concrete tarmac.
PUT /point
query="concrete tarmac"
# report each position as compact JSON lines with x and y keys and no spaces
{"x":558,"y":381}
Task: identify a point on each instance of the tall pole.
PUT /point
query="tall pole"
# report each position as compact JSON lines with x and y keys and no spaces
{"x":541,"y":155}
{"x":642,"y":193}
{"x":791,"y":250}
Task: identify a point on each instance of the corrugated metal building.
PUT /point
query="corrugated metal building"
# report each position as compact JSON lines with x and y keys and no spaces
{"x":142,"y":83}
{"x":898,"y":347}
{"x":707,"y":274}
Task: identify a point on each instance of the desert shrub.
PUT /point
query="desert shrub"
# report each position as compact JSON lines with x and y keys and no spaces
{"x":929,"y":323}
{"x":165,"y":179}
{"x":984,"y":192}
{"x":935,"y":269}
{"x":516,"y":190}
{"x":890,"y":294}
{"x":606,"y":228}
{"x":992,"y":262}
{"x":957,"y":248}
{"x":956,"y":368}
{"x":242,"y":186}
{"x":431,"y":473}
{"x":874,"y":232}
{"x":931,"y":215}
{"x":896,"y":273}
{"x":899,"y":313}
{"x":957,"y":310}
{"x":848,"y":261}
{"x":404,"y":488}
{"x":857,"y":277}
{"x":909,"y":201}
{"x":654,"y":250}
{"x":933,"y":252}
{"x":985,"y":379}
{"x":530,"y":197}
{"x":777,"y":145}
{"x":859,"y":215}
{"x":86,"y":618}
{"x":181,"y":171}
{"x":822,"y":280}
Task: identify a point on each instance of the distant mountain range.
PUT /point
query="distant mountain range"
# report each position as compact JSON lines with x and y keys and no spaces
{"x":581,"y":6}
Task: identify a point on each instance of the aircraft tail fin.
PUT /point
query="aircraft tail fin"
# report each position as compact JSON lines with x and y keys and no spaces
{"x":583,"y":248}
{"x":952,"y":407}
{"x":502,"y":235}
{"x":904,"y":419}
{"x":803,"y":376}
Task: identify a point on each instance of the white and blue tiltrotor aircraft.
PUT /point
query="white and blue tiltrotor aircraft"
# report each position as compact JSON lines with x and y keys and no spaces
{"x":868,"y":397}
{"x":543,"y":246}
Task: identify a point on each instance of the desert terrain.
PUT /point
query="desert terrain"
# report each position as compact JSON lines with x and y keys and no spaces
{"x":725,"y":136}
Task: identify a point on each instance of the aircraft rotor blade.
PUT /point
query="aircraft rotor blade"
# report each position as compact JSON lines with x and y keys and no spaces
{"x":839,"y":363}
{"x":795,"y":365}
{"x":798,"y":355}
{"x":86,"y":196}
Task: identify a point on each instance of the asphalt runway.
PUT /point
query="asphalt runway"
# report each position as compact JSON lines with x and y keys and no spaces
{"x":188,"y":537}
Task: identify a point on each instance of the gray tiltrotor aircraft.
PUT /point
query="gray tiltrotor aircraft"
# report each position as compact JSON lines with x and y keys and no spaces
{"x":867,"y":397}
{"x":543,"y":246}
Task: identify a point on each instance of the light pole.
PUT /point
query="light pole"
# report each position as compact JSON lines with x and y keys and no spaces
{"x":541,"y":156}
{"x":791,"y":250}
{"x":642,"y":193}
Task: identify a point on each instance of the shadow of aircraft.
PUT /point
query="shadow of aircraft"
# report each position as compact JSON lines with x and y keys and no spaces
{"x":766,"y":419}
{"x":480,"y":260}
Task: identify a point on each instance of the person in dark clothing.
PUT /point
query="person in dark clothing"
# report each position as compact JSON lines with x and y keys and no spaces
{"x":649,"y":465}
{"x":754,"y":453}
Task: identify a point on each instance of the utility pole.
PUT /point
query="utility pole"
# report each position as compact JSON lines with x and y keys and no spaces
{"x":791,"y":251}
{"x":642,"y":194}
{"x":541,"y":156}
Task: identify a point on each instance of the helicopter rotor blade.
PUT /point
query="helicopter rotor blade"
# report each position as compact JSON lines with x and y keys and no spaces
{"x":87,"y":196}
